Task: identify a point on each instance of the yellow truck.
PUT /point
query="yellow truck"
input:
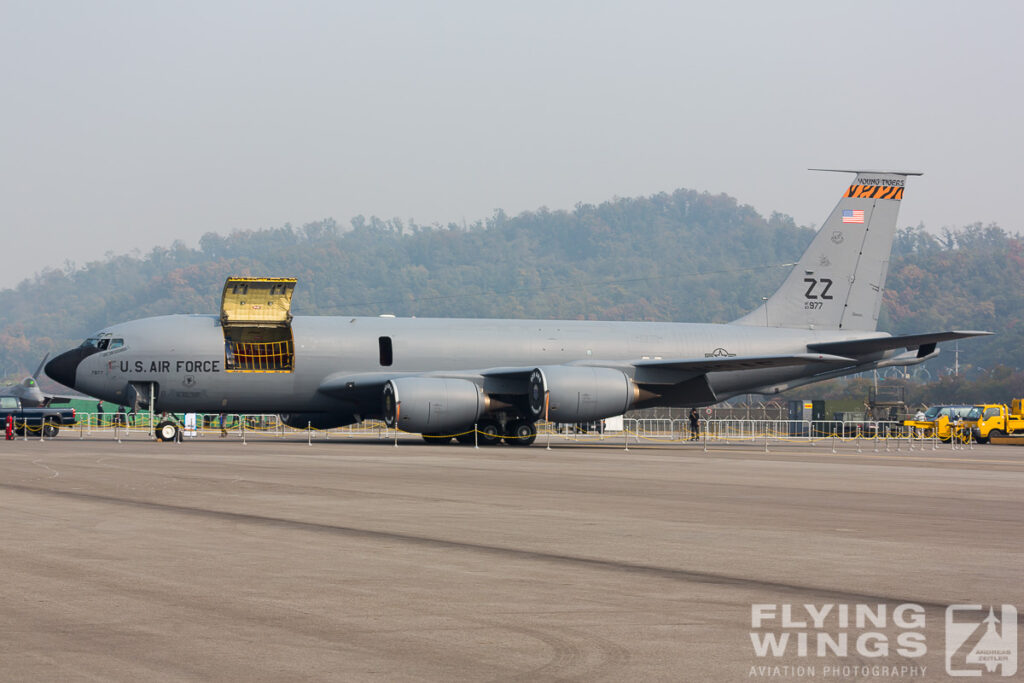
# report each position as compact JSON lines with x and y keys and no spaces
{"x":941,"y":421}
{"x":995,"y":419}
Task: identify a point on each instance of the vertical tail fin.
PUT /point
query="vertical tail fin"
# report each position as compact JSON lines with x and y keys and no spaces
{"x":838,"y":281}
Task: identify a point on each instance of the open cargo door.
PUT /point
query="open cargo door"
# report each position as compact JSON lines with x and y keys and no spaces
{"x":255,"y":313}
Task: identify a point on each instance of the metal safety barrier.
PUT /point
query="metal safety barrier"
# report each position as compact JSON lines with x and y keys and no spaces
{"x":657,"y":432}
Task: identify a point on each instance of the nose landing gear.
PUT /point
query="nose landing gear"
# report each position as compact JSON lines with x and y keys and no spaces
{"x":167,"y":431}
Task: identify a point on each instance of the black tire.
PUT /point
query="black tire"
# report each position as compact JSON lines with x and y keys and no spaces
{"x":437,"y":438}
{"x":996,"y":433}
{"x":50,"y":429}
{"x":166,"y":431}
{"x":521,"y":433}
{"x":488,"y":433}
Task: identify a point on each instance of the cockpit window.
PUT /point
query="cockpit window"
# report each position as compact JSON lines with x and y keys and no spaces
{"x":102,"y":343}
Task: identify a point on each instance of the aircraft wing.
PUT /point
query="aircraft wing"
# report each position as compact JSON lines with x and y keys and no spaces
{"x":727,"y":363}
{"x":511,"y":380}
{"x":924,"y":344}
{"x":357,"y":386}
{"x":347,"y":385}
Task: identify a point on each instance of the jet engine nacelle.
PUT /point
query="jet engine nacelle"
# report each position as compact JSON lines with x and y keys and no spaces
{"x":432,"y":404}
{"x":577,"y":393}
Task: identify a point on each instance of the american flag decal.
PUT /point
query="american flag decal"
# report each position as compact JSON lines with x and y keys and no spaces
{"x":875,"y":192}
{"x":853,"y":216}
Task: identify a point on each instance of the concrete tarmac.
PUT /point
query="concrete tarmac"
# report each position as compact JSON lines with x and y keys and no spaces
{"x":356,"y":560}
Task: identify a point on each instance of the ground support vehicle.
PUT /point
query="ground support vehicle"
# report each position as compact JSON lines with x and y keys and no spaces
{"x":944,"y":422}
{"x":995,"y":419}
{"x":48,"y":421}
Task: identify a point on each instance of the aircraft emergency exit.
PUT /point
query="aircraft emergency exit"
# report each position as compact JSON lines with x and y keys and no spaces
{"x":440,"y":377}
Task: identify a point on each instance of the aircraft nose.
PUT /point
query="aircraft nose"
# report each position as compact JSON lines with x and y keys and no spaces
{"x":64,"y":367}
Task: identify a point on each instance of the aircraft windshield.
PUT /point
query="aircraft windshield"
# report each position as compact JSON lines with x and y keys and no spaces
{"x":102,"y":343}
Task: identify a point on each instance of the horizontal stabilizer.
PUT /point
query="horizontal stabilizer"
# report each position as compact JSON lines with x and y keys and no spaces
{"x":862,"y":347}
{"x":50,"y":400}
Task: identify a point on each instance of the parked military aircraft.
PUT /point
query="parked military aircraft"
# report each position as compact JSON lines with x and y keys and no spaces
{"x":28,"y":391}
{"x":441,"y":377}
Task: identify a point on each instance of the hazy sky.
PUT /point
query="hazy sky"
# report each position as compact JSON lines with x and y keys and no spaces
{"x":131,"y":124}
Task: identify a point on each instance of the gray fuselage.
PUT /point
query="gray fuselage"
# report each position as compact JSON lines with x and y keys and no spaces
{"x":184,"y":356}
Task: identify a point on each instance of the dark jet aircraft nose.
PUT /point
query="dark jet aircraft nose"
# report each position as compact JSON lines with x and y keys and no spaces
{"x":64,"y":367}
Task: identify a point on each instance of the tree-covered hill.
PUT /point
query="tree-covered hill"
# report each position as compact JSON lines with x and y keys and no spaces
{"x":684,"y":256}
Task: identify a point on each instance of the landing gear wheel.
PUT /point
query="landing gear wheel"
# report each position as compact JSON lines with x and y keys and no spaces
{"x":521,"y":433}
{"x":167,"y":431}
{"x":488,"y":433}
{"x":437,"y":438}
{"x":50,"y":429}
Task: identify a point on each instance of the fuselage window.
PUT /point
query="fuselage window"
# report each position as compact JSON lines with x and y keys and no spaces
{"x":386,"y":357}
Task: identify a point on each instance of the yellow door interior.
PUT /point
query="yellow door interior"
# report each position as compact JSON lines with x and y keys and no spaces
{"x":255,"y":313}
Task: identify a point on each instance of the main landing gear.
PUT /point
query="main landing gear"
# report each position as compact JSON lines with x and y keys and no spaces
{"x":489,"y":432}
{"x":520,"y":433}
{"x":515,"y":433}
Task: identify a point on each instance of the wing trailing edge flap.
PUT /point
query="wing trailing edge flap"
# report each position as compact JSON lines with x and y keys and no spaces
{"x":924,"y":344}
